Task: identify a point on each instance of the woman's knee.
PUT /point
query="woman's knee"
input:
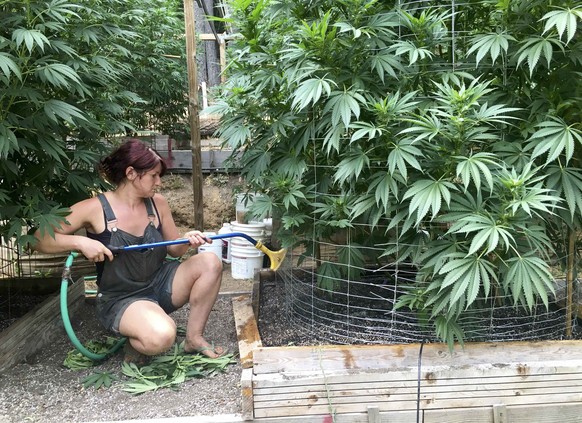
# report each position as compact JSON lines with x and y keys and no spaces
{"x":211,"y":262}
{"x":160,"y":338}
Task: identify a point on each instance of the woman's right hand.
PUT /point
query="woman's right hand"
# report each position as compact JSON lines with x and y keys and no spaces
{"x":197,"y":238}
{"x":94,"y":250}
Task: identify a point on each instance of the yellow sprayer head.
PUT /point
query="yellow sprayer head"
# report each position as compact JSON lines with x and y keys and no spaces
{"x":276,"y":257}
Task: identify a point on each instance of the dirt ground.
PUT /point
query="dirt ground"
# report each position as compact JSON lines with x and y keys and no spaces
{"x":218,"y":191}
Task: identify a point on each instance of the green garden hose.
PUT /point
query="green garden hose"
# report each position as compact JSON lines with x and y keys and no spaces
{"x":66,"y":277}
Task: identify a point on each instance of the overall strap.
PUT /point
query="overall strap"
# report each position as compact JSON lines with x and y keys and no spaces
{"x":149,"y":203}
{"x":107,"y":210}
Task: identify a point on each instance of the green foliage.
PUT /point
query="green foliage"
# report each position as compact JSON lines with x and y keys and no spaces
{"x":75,"y":360}
{"x":167,"y":370}
{"x":158,"y":62}
{"x":73,"y":74}
{"x":99,"y":380}
{"x":170,"y":370}
{"x":463,"y":134}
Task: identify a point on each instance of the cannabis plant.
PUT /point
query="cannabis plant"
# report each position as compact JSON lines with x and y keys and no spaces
{"x":448,"y":133}
{"x":69,"y":79}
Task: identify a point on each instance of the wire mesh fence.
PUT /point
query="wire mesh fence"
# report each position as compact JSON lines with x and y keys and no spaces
{"x":364,"y":311}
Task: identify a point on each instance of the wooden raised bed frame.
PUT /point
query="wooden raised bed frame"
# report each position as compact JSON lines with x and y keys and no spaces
{"x":490,"y":382}
{"x":36,"y":328}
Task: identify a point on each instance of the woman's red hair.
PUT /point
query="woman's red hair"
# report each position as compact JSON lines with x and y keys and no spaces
{"x":132,"y":153}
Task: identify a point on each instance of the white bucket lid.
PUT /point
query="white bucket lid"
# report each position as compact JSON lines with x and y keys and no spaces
{"x":250,"y":225}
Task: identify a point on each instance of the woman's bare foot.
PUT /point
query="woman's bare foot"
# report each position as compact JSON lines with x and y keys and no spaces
{"x":204,"y":348}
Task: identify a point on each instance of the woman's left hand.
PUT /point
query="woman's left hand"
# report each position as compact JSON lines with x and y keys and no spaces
{"x":197,"y":238}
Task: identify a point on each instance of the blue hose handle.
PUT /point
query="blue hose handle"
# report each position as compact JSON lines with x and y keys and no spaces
{"x":115,"y":249}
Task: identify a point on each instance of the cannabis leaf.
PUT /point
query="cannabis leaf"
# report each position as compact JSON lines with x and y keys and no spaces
{"x":99,"y":380}
{"x":564,"y":20}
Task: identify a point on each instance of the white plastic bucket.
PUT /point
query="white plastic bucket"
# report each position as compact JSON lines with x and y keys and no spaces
{"x":241,"y":246}
{"x":254,"y":230}
{"x":245,"y":258}
{"x":244,"y":264}
{"x":215,"y":247}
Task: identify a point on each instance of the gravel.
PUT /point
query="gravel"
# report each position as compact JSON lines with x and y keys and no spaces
{"x":43,"y":390}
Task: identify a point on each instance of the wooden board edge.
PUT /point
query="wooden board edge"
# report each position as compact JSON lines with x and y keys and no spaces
{"x":247,"y":331}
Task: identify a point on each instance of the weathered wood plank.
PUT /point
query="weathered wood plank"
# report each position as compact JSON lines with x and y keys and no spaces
{"x":393,"y":417}
{"x":339,"y":358}
{"x":499,"y":413}
{"x":439,"y":399}
{"x":346,"y":383}
{"x":539,"y":413}
{"x":544,"y":413}
{"x":322,"y":407}
{"x":374,"y":414}
{"x":246,"y":329}
{"x":410,"y":395}
{"x":247,"y":394}
{"x":36,"y":328}
{"x":432,"y":376}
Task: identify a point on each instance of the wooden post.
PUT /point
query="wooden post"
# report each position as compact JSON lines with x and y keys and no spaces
{"x":189,"y":19}
{"x":247,"y":329}
{"x":374,"y":414}
{"x":222,"y":57}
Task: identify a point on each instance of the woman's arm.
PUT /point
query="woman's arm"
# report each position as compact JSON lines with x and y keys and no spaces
{"x":83,"y":215}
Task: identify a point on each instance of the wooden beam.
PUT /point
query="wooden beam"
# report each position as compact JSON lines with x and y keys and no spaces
{"x":374,"y":415}
{"x":246,"y":385}
{"x":246,"y":329}
{"x":37,"y":328}
{"x":197,"y":179}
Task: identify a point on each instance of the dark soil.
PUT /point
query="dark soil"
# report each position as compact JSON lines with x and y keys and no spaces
{"x":13,"y":307}
{"x":297,"y":312}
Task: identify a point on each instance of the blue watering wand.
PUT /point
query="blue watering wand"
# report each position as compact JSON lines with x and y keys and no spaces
{"x":276,"y":257}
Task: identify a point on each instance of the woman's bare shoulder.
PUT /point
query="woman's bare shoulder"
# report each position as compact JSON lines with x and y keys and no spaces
{"x":87,"y":205}
{"x":86,"y":213}
{"x":160,"y":201}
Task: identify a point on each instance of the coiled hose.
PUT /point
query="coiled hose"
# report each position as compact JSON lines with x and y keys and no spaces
{"x":66,"y":278}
